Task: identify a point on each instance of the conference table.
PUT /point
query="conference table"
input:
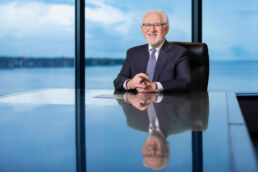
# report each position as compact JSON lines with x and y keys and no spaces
{"x":103,"y":130}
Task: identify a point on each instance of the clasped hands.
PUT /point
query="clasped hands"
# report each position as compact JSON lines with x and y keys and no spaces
{"x":141,"y":83}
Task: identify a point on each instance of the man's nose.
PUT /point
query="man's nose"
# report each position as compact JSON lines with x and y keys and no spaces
{"x":152,"y":149}
{"x":153,"y":152}
{"x":153,"y":28}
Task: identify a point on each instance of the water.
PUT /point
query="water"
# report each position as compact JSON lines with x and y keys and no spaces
{"x":224,"y":76}
{"x":18,"y":80}
{"x":240,"y":77}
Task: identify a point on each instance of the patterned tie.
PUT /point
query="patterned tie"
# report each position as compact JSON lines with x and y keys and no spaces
{"x":152,"y":116}
{"x":151,"y":64}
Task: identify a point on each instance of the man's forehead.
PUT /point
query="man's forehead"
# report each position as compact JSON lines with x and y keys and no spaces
{"x":153,"y":16}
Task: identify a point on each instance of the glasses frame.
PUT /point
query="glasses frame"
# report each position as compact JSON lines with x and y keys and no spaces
{"x":154,"y":156}
{"x":148,"y":25}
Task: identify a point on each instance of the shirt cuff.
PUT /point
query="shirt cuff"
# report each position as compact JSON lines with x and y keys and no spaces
{"x":159,"y":87}
{"x":124,"y":85}
{"x":160,"y":97}
{"x":124,"y":97}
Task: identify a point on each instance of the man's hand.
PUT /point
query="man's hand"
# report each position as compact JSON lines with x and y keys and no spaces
{"x":140,"y":80}
{"x":150,"y":88}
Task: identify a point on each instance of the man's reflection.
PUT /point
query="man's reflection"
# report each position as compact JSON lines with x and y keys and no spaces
{"x":155,"y":150}
{"x":140,"y":101}
{"x":163,"y":115}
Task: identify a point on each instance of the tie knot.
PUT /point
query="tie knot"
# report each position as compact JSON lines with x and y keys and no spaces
{"x":153,"y":50}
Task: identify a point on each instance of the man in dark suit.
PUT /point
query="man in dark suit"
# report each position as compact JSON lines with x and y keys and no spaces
{"x":156,"y":66}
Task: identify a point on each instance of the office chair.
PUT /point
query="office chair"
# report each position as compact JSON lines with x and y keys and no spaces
{"x":199,"y":64}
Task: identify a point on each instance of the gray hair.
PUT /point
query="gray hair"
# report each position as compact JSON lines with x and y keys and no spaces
{"x":163,"y":165}
{"x":163,"y":15}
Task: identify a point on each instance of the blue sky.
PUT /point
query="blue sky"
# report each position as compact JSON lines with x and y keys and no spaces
{"x":45,"y":28}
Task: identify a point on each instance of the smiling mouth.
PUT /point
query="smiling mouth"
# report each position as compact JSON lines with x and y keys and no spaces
{"x":152,"y":34}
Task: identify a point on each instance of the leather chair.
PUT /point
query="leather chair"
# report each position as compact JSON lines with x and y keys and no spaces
{"x":199,"y":64}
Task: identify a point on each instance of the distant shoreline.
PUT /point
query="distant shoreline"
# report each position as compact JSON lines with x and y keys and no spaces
{"x":53,"y":62}
{"x":23,"y":62}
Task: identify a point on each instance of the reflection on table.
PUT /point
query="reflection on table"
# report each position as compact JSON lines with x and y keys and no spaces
{"x":47,"y":130}
{"x":162,"y":115}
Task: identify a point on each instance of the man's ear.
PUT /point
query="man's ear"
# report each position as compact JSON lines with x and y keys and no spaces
{"x":142,"y":28}
{"x":167,"y":29}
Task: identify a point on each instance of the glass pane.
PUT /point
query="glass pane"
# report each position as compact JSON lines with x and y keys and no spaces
{"x":37,"y":45}
{"x":37,"y":52}
{"x":112,"y":27}
{"x":229,"y":29}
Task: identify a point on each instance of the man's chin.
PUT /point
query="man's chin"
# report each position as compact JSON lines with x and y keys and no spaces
{"x":155,"y":43}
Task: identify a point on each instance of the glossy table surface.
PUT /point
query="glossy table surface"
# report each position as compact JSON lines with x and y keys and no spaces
{"x":47,"y":130}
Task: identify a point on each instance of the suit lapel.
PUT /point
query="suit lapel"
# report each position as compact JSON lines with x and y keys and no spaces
{"x":162,"y":60}
{"x":144,"y":59}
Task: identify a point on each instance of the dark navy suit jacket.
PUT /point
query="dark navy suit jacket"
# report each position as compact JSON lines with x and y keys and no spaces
{"x":172,"y":68}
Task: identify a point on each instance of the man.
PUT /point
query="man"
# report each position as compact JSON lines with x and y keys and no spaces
{"x":156,"y":66}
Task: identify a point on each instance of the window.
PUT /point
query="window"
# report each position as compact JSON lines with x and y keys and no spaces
{"x":37,"y":45}
{"x":229,"y":29}
{"x":114,"y":26}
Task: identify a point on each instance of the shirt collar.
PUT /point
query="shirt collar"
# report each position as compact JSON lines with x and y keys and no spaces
{"x":157,"y":48}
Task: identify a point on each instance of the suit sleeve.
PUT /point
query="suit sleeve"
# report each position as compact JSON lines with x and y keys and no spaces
{"x":124,"y":74}
{"x":183,"y":76}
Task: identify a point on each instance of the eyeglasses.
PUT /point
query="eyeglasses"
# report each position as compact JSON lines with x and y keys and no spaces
{"x":148,"y":25}
{"x":155,"y":156}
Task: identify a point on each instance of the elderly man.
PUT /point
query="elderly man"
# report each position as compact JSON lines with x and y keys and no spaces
{"x":156,"y":66}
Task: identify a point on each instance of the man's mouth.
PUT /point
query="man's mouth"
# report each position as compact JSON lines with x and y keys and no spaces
{"x":152,"y":34}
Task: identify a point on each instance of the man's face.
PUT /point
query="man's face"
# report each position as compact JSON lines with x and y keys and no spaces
{"x":155,"y":151}
{"x":154,"y":35}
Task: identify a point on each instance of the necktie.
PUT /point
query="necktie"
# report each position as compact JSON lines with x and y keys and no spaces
{"x":151,"y":64}
{"x":152,"y":117}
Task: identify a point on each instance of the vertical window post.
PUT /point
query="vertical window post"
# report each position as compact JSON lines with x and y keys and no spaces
{"x":80,"y":85}
{"x":196,"y":20}
{"x":197,"y":156}
{"x":79,"y":44}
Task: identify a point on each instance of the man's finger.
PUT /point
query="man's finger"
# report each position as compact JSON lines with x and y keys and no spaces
{"x":142,"y":75}
{"x":144,"y":80}
{"x":142,"y":86}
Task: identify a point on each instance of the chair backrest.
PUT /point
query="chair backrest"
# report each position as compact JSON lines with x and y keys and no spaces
{"x":199,"y":64}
